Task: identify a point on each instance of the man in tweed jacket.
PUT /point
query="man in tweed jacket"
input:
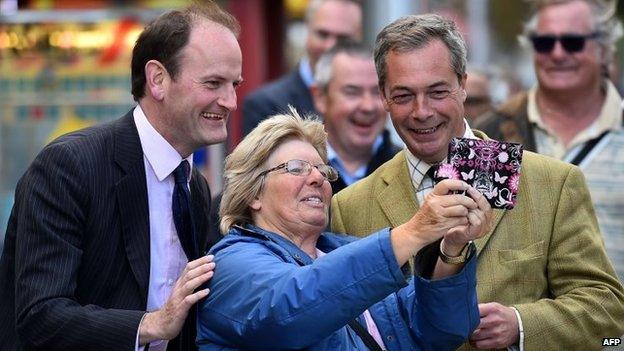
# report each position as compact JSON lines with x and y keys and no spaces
{"x":544,"y":281}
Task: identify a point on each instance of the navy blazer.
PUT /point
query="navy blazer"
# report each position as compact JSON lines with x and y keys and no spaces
{"x":386,"y":151}
{"x":274,"y":98}
{"x":77,"y":247}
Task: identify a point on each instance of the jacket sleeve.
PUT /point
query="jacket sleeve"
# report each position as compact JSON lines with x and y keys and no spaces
{"x":441,"y":314}
{"x":51,"y":206}
{"x":259,"y":301}
{"x":337,"y":226}
{"x":587,"y":300}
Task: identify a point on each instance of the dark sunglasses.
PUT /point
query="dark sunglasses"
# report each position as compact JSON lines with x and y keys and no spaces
{"x":570,"y":42}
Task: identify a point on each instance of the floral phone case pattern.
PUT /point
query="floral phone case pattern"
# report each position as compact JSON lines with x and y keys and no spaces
{"x":492,"y":167}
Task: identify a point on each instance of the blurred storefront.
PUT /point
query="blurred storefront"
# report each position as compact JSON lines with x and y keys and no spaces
{"x":64,"y":65}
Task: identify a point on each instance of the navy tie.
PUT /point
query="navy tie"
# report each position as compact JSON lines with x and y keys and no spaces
{"x":431,"y":172}
{"x":181,"y":207}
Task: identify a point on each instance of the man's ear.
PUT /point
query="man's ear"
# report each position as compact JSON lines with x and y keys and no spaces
{"x":384,"y":100}
{"x":462,"y":87}
{"x":319,"y":96}
{"x":156,"y":79}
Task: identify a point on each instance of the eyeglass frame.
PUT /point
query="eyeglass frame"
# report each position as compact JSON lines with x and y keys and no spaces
{"x":310,"y":166}
{"x":561,"y":39}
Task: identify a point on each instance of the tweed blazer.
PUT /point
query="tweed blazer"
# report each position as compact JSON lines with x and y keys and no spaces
{"x":545,"y":257}
{"x":74,"y":272}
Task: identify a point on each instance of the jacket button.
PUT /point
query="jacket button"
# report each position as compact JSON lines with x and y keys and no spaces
{"x":390,"y":337}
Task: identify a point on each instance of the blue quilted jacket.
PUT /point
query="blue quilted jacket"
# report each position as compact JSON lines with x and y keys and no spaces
{"x":267,"y":294}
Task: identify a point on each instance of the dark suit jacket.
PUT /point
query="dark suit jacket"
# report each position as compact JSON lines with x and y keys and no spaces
{"x":74,"y":272}
{"x":386,"y":151}
{"x":274,"y":98}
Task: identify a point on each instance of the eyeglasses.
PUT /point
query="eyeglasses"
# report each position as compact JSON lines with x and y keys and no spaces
{"x":304,"y":168}
{"x":570,"y":42}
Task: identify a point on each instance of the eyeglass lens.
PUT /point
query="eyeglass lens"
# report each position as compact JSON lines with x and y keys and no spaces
{"x":570,"y":42}
{"x":299,"y":167}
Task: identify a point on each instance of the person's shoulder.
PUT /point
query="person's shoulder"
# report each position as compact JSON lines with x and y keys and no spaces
{"x":512,"y":109}
{"x":542,"y":168}
{"x":83,"y":142}
{"x":239,"y":241}
{"x":274,"y":90}
{"x":390,"y":147}
{"x":363,"y":189}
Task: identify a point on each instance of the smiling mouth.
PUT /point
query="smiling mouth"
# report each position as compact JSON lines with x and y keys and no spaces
{"x":561,"y":68}
{"x":313,"y":200}
{"x":213,"y":116}
{"x":425,"y":131}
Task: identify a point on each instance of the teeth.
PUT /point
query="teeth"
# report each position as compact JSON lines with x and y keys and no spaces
{"x":313,"y":199}
{"x":211,"y":115}
{"x":425,"y":131}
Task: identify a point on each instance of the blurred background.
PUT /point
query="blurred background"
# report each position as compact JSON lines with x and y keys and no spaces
{"x":64,"y":64}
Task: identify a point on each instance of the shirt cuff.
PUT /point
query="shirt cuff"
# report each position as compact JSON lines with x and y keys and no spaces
{"x":137,"y":347}
{"x":520,"y":345}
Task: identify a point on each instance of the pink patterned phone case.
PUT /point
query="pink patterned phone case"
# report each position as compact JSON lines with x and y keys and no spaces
{"x":490,"y":166}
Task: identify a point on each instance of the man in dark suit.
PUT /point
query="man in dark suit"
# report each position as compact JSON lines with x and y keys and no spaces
{"x":104,"y":246}
{"x":346,"y":93}
{"x":326,"y":21}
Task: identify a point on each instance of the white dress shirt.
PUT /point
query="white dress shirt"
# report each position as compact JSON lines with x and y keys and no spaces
{"x":167,"y":258}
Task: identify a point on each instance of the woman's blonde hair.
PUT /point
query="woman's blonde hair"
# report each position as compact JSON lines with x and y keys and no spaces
{"x":242,"y":181}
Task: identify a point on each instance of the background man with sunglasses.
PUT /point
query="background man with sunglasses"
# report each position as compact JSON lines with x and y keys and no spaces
{"x":574,"y":113}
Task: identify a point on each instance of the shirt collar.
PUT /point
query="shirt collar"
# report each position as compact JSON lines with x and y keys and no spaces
{"x":305,"y":71}
{"x":417,"y":167}
{"x":161,"y":156}
{"x":610,"y":117}
{"x":350,"y":178}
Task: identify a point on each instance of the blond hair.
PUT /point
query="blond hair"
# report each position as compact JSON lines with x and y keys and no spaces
{"x":242,"y":181}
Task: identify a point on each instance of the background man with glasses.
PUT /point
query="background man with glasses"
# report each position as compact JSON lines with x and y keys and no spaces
{"x":575,"y":112}
{"x":544,"y":281}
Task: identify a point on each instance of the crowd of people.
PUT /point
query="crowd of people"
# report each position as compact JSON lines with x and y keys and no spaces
{"x":327,"y":236}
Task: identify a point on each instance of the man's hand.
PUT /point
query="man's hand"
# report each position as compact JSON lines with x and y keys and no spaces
{"x":479,"y":223}
{"x":440,"y":212}
{"x":166,"y":323}
{"x":498,"y":327}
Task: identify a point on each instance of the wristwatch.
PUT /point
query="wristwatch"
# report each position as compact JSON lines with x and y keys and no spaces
{"x":459,"y":259}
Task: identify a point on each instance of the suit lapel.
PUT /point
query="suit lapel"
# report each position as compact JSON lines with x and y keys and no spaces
{"x":481,"y":242}
{"x":131,"y":193}
{"x":397,"y":200}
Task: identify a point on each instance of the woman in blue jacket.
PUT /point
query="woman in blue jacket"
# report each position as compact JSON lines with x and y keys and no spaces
{"x":280,"y":283}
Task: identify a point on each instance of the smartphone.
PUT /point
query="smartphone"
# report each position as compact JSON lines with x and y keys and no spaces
{"x":492,"y":167}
